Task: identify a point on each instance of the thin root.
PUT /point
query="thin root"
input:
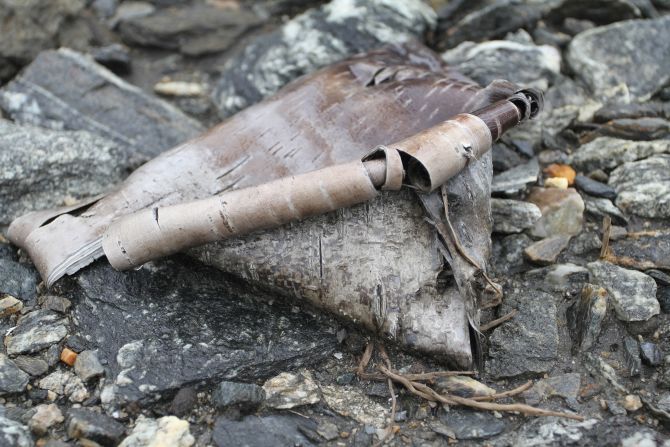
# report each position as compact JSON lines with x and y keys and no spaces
{"x":498,"y":321}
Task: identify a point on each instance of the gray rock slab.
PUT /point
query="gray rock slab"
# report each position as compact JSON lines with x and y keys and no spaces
{"x":14,"y":434}
{"x":66,"y":90}
{"x":33,"y":365}
{"x":16,"y":278}
{"x":517,"y":178}
{"x":528,"y":343}
{"x":594,"y":188}
{"x":314,"y":39}
{"x":85,"y":424}
{"x":513,"y":216}
{"x":235,"y":394}
{"x":564,"y":385}
{"x":562,"y":211}
{"x":258,"y":431}
{"x":643,"y":187}
{"x":42,"y":168}
{"x":546,"y":251}
{"x":608,"y":153}
{"x":599,"y":207}
{"x":193,"y":30}
{"x":177,"y":323}
{"x":87,"y":365}
{"x":585,"y":316}
{"x":468,"y":424}
{"x":632,"y":293}
{"x":524,"y":63}
{"x":35,"y":331}
{"x":603,"y":57}
{"x":12,"y":379}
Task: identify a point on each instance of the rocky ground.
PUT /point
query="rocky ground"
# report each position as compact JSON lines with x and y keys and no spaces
{"x":178,"y":354}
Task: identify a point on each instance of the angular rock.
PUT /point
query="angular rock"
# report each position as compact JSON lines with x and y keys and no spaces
{"x":30,"y":26}
{"x":513,"y":216}
{"x":328,"y":430}
{"x":9,"y":305}
{"x":598,"y":12}
{"x":184,"y":401}
{"x":523,"y":63}
{"x":463,"y":386}
{"x":663,"y":290}
{"x":116,"y":57}
{"x":652,"y":109}
{"x":565,"y":386}
{"x":585,"y":316}
{"x":517,"y":178}
{"x":166,"y":431}
{"x":66,"y":90}
{"x":551,"y":431}
{"x":34,"y":366}
{"x":633,"y":293}
{"x":351,"y":402}
{"x":64,"y":383}
{"x":16,"y":279}
{"x":12,"y":379}
{"x":193,"y":30}
{"x":562,"y":211}
{"x":602,"y":57}
{"x":42,"y":168}
{"x":147,"y":340}
{"x":56,"y":303}
{"x":642,"y":250}
{"x":528,"y":343}
{"x":45,"y":417}
{"x":468,"y":424}
{"x":35,"y":331}
{"x":599,"y":208}
{"x":246,"y":396}
{"x":651,"y":354}
{"x":594,"y":188}
{"x":280,"y":429}
{"x":608,"y":153}
{"x":86,"y":425}
{"x":643,"y":187}
{"x":508,"y":253}
{"x":289,"y":390}
{"x":14,"y":434}
{"x":546,"y":251}
{"x":632,"y":402}
{"x":631,"y":356}
{"x":314,"y":39}
{"x":87,"y":366}
{"x":647,"y":129}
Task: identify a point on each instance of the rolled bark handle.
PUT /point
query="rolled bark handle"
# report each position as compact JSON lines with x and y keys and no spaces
{"x":424,"y":161}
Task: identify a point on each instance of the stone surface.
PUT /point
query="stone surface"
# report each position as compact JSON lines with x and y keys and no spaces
{"x":166,"y":431}
{"x":463,"y":386}
{"x":564,"y":385}
{"x":147,"y":340}
{"x":608,"y":153}
{"x":513,"y":216}
{"x":41,"y":168}
{"x":524,"y":63}
{"x":546,"y":251}
{"x":64,"y":383}
{"x":12,"y":379}
{"x":594,"y":188}
{"x":16,"y":278}
{"x":517,"y":178}
{"x":289,"y":390}
{"x":528,"y":343}
{"x":45,"y":417}
{"x":35,"y":331}
{"x":87,"y":425}
{"x":602,"y":57}
{"x":468,"y":424}
{"x":87,"y":366}
{"x":631,"y":356}
{"x":585,"y":316}
{"x":9,"y":305}
{"x":566,"y":277}
{"x":14,"y":434}
{"x":651,"y":354}
{"x":508,"y":253}
{"x":599,"y":207}
{"x":314,"y":39}
{"x":351,"y":402}
{"x":246,"y":396}
{"x":56,"y":303}
{"x":562,"y":211}
{"x":643,"y":187}
{"x":642,"y":250}
{"x":30,"y":26}
{"x":115,"y":57}
{"x":34,"y":366}
{"x":632,"y":293}
{"x":193,"y":30}
{"x":280,"y":429}
{"x":647,"y":128}
{"x":66,"y":90}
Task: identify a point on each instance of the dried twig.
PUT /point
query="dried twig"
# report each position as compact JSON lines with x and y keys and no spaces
{"x":367,"y":355}
{"x":421,"y":377}
{"x":390,"y":429}
{"x":510,"y":393}
{"x":607,"y":233}
{"x":498,"y":321}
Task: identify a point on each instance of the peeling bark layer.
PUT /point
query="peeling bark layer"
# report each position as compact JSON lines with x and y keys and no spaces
{"x":330,"y":117}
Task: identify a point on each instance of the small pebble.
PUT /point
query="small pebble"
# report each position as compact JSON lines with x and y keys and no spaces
{"x":556,"y":182}
{"x":9,"y":305}
{"x":632,"y":402}
{"x":68,"y":356}
{"x":561,"y":171}
{"x":181,"y":89}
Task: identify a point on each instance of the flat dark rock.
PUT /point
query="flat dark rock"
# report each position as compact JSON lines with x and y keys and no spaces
{"x":177,"y":323}
{"x":260,"y":431}
{"x":64,"y":89}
